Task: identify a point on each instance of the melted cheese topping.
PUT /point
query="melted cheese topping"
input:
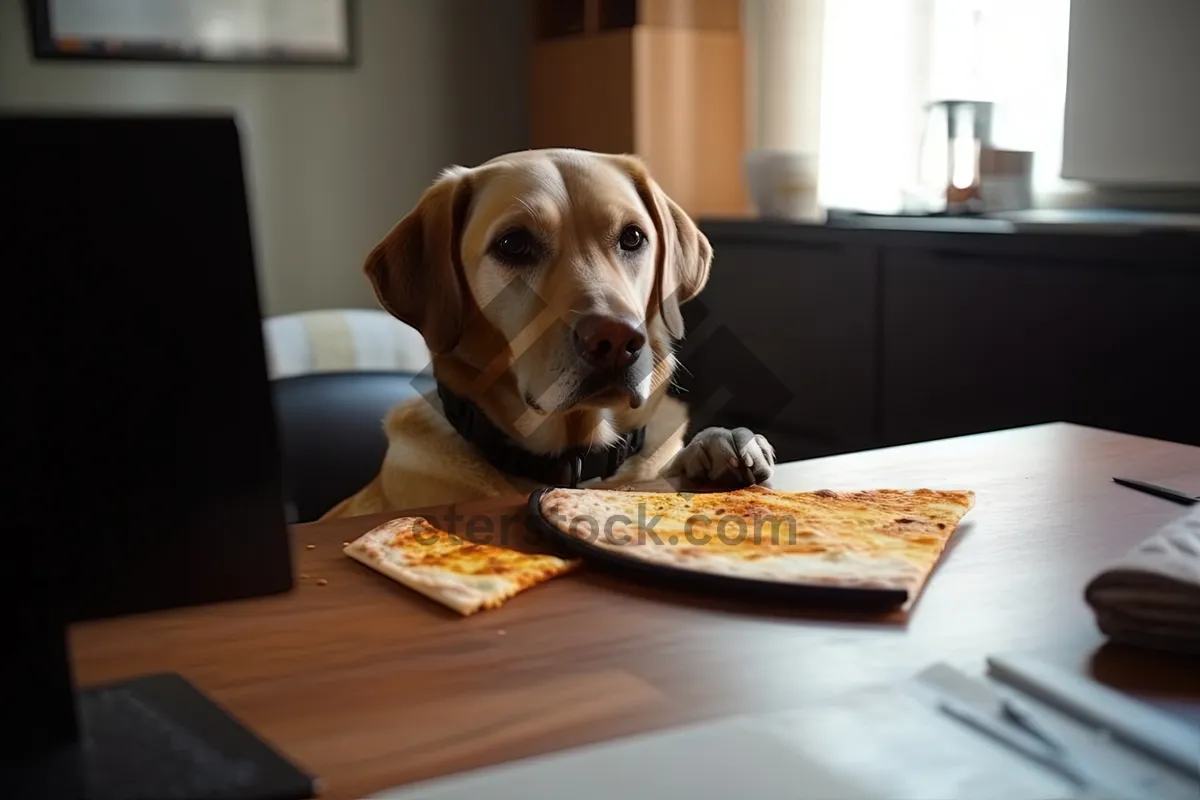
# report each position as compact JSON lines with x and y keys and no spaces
{"x":449,"y":569}
{"x":882,"y":538}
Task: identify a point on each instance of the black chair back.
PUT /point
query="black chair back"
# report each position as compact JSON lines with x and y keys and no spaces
{"x":331,"y":432}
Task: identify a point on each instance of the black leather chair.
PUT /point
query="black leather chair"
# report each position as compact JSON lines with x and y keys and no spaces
{"x":331,"y":433}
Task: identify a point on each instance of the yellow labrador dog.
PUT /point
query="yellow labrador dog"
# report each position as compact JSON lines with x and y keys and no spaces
{"x":547,"y":285}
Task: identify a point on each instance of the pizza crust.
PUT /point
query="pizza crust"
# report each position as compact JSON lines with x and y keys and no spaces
{"x":847,"y":570}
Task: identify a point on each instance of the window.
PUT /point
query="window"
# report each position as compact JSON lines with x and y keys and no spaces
{"x":883,"y":60}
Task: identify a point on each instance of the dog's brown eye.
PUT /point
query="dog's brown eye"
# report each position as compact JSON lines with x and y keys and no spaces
{"x":632,"y":238}
{"x":517,"y":246}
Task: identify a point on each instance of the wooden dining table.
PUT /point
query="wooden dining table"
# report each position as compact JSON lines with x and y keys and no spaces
{"x":368,"y":685}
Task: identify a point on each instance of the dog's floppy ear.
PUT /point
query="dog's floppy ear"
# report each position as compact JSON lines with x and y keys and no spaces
{"x":416,"y":270}
{"x":684,"y":254}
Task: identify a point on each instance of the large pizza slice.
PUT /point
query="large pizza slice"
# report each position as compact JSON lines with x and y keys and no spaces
{"x":455,"y":572}
{"x":875,"y":539}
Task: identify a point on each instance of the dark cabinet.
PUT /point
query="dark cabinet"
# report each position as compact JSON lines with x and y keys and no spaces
{"x":832,"y":339}
{"x":975,"y":341}
{"x":767,"y":342}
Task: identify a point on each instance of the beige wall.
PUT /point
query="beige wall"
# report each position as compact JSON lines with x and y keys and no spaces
{"x":334,"y":156}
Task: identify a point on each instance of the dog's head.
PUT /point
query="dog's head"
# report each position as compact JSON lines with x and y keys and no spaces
{"x":567,"y":267}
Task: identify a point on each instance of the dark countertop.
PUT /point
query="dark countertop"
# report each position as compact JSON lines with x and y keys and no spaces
{"x":1172,"y":246}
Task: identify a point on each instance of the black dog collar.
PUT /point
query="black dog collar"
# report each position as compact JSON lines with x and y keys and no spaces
{"x":568,"y":468}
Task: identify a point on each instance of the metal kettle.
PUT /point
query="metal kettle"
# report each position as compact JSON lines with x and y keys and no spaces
{"x":955,"y":134}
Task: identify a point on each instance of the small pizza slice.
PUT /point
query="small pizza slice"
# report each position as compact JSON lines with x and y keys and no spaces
{"x":450,"y":570}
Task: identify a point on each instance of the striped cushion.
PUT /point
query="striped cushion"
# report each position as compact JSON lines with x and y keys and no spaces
{"x":342,"y":340}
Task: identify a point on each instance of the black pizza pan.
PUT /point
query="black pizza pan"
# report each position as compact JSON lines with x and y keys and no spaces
{"x":789,"y":592}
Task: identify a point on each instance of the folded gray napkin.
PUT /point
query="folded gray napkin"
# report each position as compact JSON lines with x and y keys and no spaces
{"x":1151,"y":597}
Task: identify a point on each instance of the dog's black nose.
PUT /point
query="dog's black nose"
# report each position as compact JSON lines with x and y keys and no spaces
{"x":609,"y":342}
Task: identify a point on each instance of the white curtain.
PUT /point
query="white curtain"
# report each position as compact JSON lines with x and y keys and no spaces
{"x":878,"y":62}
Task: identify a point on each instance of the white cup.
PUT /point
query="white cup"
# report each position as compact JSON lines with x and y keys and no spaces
{"x":783,"y":184}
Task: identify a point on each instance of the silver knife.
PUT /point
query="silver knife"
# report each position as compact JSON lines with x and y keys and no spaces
{"x":1166,"y":493}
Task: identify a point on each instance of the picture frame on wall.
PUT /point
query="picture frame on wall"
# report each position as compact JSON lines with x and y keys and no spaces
{"x":262,"y":32}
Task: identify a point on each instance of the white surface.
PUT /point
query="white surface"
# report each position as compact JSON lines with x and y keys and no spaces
{"x":1133,"y":99}
{"x":800,"y":755}
{"x":887,"y":742}
{"x":729,"y":759}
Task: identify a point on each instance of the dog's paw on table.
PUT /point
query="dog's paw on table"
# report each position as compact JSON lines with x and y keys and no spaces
{"x":724,"y":457}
